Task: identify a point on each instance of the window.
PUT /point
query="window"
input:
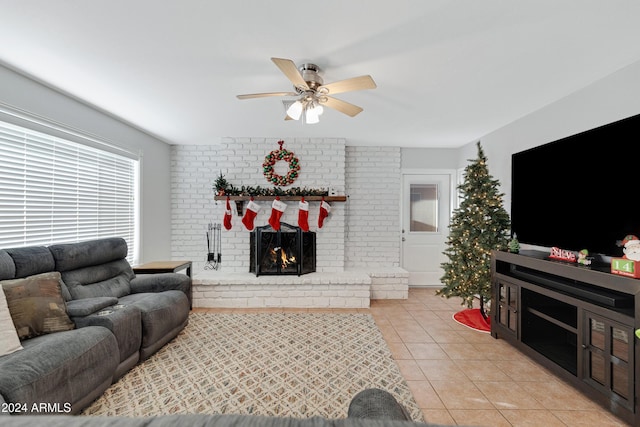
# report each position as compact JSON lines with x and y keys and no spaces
{"x":423,"y":210}
{"x":53,"y":190}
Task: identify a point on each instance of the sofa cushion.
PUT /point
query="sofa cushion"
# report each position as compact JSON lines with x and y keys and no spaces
{"x":31,"y":260}
{"x":36,"y":305}
{"x":7,"y":267}
{"x":163,"y":316}
{"x":111,"y":279}
{"x":124,"y":322}
{"x":9,"y":341}
{"x":72,"y":256}
{"x":95,"y":268}
{"x":70,"y":367}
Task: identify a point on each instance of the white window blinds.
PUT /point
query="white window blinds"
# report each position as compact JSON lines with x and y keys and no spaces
{"x":57,"y":191}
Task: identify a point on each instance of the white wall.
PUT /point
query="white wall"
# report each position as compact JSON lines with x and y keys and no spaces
{"x":610,"y":99}
{"x":429,"y":158}
{"x":23,"y":93}
{"x":373,"y":210}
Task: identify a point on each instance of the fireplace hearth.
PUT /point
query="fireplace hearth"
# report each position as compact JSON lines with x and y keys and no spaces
{"x":280,"y":252}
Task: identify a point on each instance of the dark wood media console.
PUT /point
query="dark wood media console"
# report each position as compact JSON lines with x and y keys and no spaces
{"x":577,"y":321}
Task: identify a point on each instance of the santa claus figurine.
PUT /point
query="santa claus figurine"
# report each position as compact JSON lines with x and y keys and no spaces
{"x":631,"y":249}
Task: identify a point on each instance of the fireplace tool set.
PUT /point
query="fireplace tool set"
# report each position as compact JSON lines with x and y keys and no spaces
{"x":214,"y":251}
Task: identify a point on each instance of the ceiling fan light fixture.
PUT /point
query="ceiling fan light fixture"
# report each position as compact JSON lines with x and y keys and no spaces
{"x":317,"y":108}
{"x":311,"y":116}
{"x":295,"y":110}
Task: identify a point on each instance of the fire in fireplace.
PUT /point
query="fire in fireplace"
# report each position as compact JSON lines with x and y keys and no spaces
{"x":286,"y":251}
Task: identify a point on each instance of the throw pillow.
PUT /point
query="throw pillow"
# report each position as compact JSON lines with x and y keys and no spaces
{"x":36,"y":305}
{"x":9,"y":341}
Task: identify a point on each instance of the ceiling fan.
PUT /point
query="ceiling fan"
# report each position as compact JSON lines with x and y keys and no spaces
{"x":312,"y":93}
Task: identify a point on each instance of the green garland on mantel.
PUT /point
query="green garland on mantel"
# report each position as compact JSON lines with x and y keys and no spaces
{"x":223,"y":188}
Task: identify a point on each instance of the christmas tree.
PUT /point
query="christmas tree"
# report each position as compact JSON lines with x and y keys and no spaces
{"x":479,"y":225}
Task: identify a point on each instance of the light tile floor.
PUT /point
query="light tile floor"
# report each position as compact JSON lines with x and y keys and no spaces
{"x":461,"y":376}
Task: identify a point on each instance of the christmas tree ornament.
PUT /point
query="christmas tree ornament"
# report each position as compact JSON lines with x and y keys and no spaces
{"x":303,"y":215}
{"x":277,"y":209}
{"x":325,"y":209}
{"x":227,"y":215}
{"x":250,"y":213}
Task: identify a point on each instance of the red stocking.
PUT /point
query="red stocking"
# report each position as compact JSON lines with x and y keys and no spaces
{"x":303,"y":215}
{"x":227,"y":215}
{"x":250,"y":214}
{"x":277,"y":209}
{"x":325,"y":208}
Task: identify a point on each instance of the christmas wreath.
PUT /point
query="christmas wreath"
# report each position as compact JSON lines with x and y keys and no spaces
{"x":275,"y":156}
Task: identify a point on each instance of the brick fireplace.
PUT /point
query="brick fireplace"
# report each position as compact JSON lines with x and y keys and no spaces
{"x":322,"y":166}
{"x":357,"y":249}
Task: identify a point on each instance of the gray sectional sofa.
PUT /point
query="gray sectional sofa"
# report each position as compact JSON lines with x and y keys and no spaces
{"x":115,"y":319}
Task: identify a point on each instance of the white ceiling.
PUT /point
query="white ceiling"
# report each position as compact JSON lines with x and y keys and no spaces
{"x":448,"y":71}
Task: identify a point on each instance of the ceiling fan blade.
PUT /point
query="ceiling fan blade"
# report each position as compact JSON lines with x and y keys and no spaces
{"x":288,"y":67}
{"x":264,"y":95}
{"x":342,"y":106}
{"x":348,"y":85}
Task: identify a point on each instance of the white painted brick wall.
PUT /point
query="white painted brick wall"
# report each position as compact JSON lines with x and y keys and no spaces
{"x":194,"y":169}
{"x":317,"y":290}
{"x":373,"y":182}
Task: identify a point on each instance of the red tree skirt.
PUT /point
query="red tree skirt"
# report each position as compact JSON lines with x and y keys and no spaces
{"x":473,"y":318}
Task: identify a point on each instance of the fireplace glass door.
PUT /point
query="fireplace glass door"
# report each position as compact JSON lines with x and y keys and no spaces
{"x":279,"y":253}
{"x":285,"y":251}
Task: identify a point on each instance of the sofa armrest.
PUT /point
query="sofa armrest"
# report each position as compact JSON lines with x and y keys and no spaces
{"x":86,"y":306}
{"x":375,"y":403}
{"x":160,"y":282}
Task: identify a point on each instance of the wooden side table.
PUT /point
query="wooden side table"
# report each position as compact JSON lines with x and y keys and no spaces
{"x":165,"y":267}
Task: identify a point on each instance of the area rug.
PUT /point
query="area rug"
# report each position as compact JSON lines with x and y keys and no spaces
{"x":473,"y":318}
{"x":275,"y":364}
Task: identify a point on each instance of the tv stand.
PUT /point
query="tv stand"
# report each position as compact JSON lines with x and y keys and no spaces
{"x":577,"y":321}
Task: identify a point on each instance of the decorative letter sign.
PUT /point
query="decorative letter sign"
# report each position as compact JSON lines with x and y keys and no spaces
{"x":562,"y":254}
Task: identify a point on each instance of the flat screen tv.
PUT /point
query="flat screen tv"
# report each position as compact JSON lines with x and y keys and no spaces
{"x":580,"y":192}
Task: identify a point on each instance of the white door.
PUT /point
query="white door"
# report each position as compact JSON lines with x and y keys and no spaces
{"x":426,"y":209}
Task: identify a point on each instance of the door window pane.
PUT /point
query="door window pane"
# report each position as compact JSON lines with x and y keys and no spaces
{"x":423,"y":208}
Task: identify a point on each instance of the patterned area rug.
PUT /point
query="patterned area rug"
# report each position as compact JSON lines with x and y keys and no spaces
{"x":278,"y":364}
